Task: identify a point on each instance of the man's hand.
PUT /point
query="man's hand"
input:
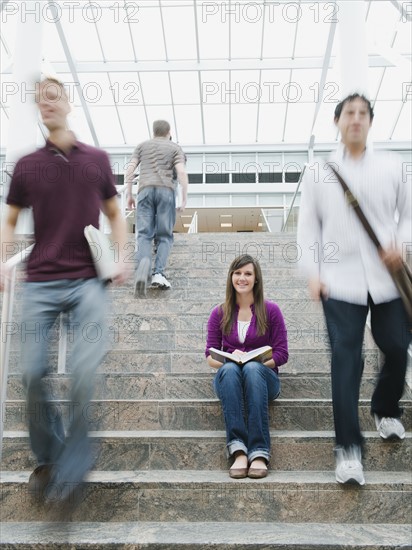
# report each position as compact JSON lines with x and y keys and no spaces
{"x":125,"y":274}
{"x":182,"y":206}
{"x":317,"y":289}
{"x":392,"y":258}
{"x":4,"y":274}
{"x":131,"y":203}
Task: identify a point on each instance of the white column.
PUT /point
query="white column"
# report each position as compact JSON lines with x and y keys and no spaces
{"x":352,"y":52}
{"x":26,"y":72}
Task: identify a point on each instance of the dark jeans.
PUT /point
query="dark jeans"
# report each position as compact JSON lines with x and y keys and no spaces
{"x":390,"y":330}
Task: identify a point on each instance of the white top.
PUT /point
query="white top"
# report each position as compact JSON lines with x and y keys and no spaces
{"x":334,"y":245}
{"x":242,"y":328}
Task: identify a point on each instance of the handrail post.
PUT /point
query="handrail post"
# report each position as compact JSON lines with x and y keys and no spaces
{"x":294,"y":197}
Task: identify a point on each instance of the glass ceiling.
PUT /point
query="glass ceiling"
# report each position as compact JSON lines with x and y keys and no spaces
{"x":222,"y":72}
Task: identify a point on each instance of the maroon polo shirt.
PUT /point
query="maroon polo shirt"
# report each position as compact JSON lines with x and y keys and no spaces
{"x":66,"y":193}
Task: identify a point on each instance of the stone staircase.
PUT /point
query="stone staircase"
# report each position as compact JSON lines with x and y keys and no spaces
{"x":160,"y":479}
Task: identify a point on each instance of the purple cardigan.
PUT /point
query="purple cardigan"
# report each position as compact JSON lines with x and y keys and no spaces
{"x":275,"y":336}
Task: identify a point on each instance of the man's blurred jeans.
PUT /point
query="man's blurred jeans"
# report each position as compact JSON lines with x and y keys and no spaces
{"x":85,"y":300}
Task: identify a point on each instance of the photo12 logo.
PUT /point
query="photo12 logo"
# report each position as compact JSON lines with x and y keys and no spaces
{"x":69,"y":11}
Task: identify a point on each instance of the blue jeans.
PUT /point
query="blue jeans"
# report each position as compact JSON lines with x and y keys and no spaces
{"x":85,"y":299}
{"x":247,"y":389}
{"x":155,"y":217}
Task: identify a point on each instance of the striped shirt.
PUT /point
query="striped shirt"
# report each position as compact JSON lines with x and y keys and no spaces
{"x":334,"y":246}
{"x":157,"y":157}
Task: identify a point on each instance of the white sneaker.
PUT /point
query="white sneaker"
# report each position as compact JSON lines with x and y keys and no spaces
{"x":160,"y":281}
{"x":389,"y":428}
{"x":348,"y":465}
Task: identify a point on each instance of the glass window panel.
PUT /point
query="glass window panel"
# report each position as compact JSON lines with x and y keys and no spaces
{"x":279,"y":32}
{"x":246,"y":176}
{"x":216,"y":119}
{"x":315,"y":20}
{"x":126,"y":89}
{"x":270,"y":177}
{"x":215,"y":87}
{"x":156,"y":88}
{"x":243,"y":199}
{"x":195,"y":178}
{"x":180,"y":45}
{"x":52,"y":44}
{"x":271,"y":120}
{"x":325,"y":129}
{"x":403,"y":38}
{"x":216,"y":163}
{"x":194,"y":163}
{"x":134,"y":124}
{"x":243,"y":123}
{"x":244,"y":88}
{"x":247,"y":22}
{"x":194,"y":201}
{"x":239,"y":161}
{"x":78,"y":123}
{"x":96,"y":89}
{"x":269,"y":160}
{"x":403,"y":130}
{"x":374,"y":78}
{"x":384,"y":120}
{"x":185,"y":87}
{"x":294,"y":162}
{"x":299,"y":122}
{"x":217,"y":200}
{"x":304,"y":86}
{"x":381,"y":23}
{"x":115,"y":36}
{"x":275,"y":86}
{"x":107,"y":126}
{"x":217,"y":178}
{"x":213,"y":32}
{"x":393,"y":86}
{"x":189,"y":124}
{"x":148,"y":33}
{"x":77,"y":31}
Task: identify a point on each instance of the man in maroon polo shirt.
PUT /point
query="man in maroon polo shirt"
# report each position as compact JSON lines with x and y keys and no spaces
{"x":66,"y":183}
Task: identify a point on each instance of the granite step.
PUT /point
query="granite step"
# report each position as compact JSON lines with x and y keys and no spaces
{"x":206,"y":450}
{"x":185,"y":496}
{"x":183,"y":386}
{"x":191,"y":414}
{"x":184,"y":362}
{"x":203,"y":536}
{"x":165,"y":337}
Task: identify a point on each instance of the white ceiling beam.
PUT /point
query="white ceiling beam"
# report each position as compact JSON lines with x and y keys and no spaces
{"x":213,"y":65}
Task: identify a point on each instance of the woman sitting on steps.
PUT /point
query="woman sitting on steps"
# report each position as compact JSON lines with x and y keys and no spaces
{"x":244,"y":323}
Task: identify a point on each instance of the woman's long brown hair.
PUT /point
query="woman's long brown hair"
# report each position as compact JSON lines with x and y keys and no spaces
{"x":229,"y":307}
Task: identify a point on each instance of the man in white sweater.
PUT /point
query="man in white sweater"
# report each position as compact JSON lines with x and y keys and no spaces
{"x":350,"y":276}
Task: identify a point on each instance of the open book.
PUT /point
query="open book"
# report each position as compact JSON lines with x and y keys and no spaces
{"x":260,"y":354}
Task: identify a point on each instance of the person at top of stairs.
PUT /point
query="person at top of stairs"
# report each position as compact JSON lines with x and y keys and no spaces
{"x":156,"y":203}
{"x":243,"y":323}
{"x":353,"y":277}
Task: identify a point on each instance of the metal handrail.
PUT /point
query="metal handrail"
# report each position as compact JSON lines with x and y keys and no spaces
{"x":194,"y":224}
{"x":5,"y":336}
{"x":294,"y":197}
{"x":266,"y":221}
